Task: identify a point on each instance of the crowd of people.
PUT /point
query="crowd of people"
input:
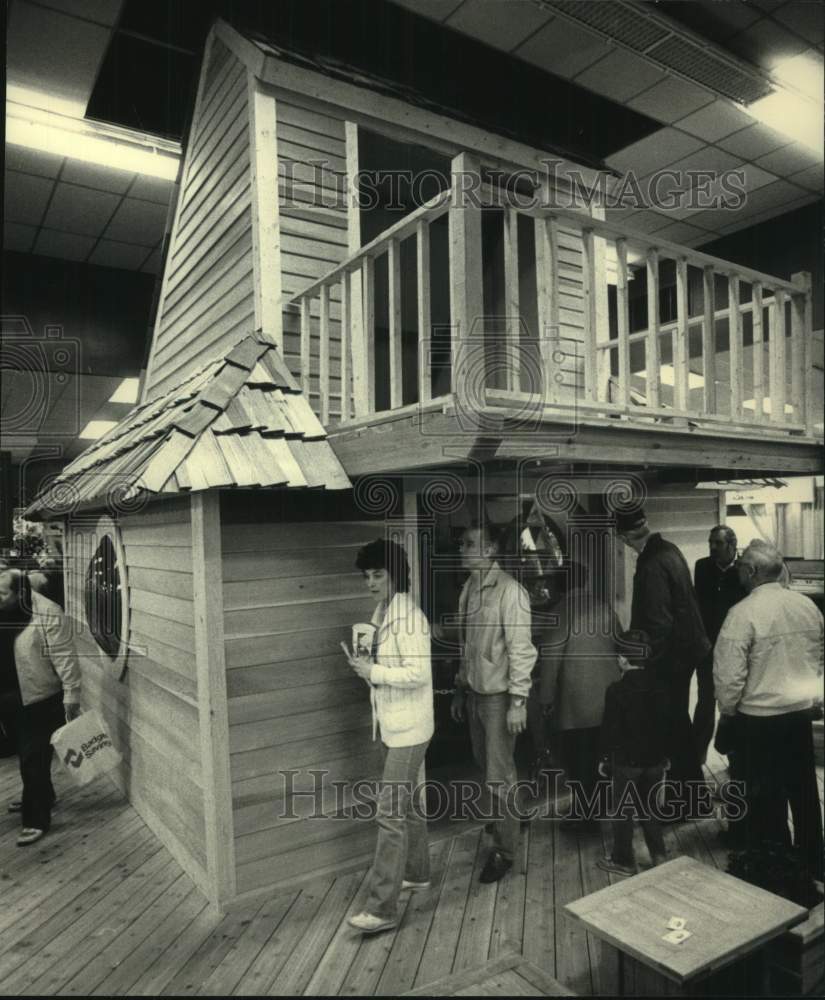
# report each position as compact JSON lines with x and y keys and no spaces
{"x":617,"y":703}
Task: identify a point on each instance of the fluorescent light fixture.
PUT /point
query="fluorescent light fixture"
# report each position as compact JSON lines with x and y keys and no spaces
{"x":793,"y":116}
{"x":96,"y":429}
{"x":126,"y":392}
{"x":667,"y":376}
{"x":805,"y":73}
{"x":750,"y":404}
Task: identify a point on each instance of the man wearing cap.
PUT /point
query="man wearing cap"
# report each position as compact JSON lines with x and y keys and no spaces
{"x":665,"y":607}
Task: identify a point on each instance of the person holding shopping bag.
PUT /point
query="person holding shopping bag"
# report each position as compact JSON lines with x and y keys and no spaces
{"x":400,"y":678}
{"x":39,"y":691}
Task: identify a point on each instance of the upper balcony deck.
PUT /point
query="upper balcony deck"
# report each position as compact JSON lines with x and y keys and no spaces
{"x":525,"y":311}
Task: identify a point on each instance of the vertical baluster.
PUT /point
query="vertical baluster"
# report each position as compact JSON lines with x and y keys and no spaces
{"x":324,"y":356}
{"x":681,"y":356}
{"x":798,"y":331}
{"x":394,"y":270}
{"x":778,"y":358}
{"x":735,"y":347}
{"x":652,"y":356}
{"x":306,"y":344}
{"x":623,"y":320}
{"x":345,"y":346}
{"x":708,"y":341}
{"x":590,"y":292}
{"x":758,"y":352}
{"x":424,"y":312}
{"x":802,"y":302}
{"x":466,"y":278}
{"x":547,"y":301}
{"x":512,"y":302}
{"x":368,"y":339}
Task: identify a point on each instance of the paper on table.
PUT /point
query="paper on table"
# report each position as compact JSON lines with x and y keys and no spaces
{"x":676,"y":937}
{"x":676,"y":923}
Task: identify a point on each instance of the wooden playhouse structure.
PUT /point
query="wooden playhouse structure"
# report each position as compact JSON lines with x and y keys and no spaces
{"x":321,"y":373}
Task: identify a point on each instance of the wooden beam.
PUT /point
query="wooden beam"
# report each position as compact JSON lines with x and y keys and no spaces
{"x":623,"y":319}
{"x":708,"y":341}
{"x":466,"y":280}
{"x":777,"y":340}
{"x":735,"y":353}
{"x":590,"y":314}
{"x":323,"y":356}
{"x":653,"y":362}
{"x":396,"y":374}
{"x":801,"y":334}
{"x":346,"y":354}
{"x":681,"y":340}
{"x":512,"y":298}
{"x":266,"y":229}
{"x":306,"y":345}
{"x":425,"y":331}
{"x":213,"y":714}
{"x":758,"y":352}
{"x":809,"y":413}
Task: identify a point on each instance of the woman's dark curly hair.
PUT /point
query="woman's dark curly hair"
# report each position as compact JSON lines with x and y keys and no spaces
{"x":384,"y":554}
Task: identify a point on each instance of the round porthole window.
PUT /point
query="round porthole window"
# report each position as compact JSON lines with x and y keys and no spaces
{"x":104,"y":598}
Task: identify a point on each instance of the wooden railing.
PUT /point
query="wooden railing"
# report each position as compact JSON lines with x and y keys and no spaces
{"x":583,"y":345}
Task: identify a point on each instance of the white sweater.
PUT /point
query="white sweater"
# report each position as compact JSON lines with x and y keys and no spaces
{"x":401,"y":678}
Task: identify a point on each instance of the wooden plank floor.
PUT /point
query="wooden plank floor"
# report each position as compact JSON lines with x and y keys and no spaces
{"x":100,"y":907}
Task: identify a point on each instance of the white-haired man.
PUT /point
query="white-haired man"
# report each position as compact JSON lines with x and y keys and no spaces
{"x":767,"y":673}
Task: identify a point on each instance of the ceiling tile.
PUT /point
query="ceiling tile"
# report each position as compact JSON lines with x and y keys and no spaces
{"x":810,"y":177}
{"x":765,"y":43}
{"x":109,"y":253}
{"x":773,"y":194}
{"x":32,"y":161}
{"x":69,"y":246}
{"x":655,"y":151}
{"x":562,"y":48}
{"x":789,"y":160}
{"x":436,"y":10}
{"x":753,"y":142}
{"x":671,"y":99}
{"x":747,"y":221}
{"x":152,"y":189}
{"x":620,"y":75}
{"x":647,"y":221}
{"x":101,"y":11}
{"x":136,"y":221}
{"x":54,"y":53}
{"x":678,"y":232}
{"x":805,"y":18}
{"x":92,"y":175}
{"x":707,"y":158}
{"x":755,"y":177}
{"x":502,"y":25}
{"x":153,"y":263}
{"x":26,"y":197}
{"x":17,"y":236}
{"x":80,"y":210}
{"x":715,"y":121}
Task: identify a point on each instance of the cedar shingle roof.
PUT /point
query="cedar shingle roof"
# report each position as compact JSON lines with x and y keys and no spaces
{"x":238,"y":421}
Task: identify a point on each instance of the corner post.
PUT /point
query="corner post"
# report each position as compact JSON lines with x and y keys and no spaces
{"x":802,"y":335}
{"x":466,"y":277}
{"x":213,"y":708}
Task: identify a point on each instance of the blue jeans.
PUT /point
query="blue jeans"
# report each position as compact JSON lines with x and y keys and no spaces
{"x":493,"y":749}
{"x":402,"y":851}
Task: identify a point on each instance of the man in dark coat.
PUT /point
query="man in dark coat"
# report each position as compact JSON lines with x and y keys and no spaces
{"x":717,"y":589}
{"x":665,"y":607}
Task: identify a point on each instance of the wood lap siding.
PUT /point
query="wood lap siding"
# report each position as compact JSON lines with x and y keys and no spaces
{"x":152,"y":714}
{"x":207,"y":302}
{"x":684,"y":516}
{"x":313,"y":226}
{"x":291,"y":594}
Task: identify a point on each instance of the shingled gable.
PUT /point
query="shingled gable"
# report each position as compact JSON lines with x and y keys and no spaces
{"x":240,"y":420}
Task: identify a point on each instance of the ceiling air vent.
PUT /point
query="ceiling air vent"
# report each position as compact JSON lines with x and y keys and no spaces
{"x":708,"y":69}
{"x":621,"y":23}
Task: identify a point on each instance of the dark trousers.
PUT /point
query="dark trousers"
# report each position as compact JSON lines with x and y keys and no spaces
{"x":33,"y":726}
{"x":704,"y":713}
{"x":775,"y":758}
{"x":579,"y":750}
{"x":684,"y":759}
{"x":644,"y":779}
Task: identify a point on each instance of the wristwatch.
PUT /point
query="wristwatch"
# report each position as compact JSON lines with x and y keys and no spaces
{"x":517,"y":701}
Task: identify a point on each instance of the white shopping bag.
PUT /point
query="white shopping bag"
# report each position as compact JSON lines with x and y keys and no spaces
{"x":84,"y":747}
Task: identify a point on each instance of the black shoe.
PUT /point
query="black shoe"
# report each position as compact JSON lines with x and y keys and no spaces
{"x":496,"y":867}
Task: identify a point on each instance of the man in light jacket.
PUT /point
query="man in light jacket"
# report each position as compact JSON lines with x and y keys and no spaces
{"x":767,"y":672}
{"x":40,"y":686}
{"x":494,"y":680}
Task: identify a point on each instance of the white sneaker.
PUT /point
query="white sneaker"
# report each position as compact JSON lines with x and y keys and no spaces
{"x":367,"y":923}
{"x":415,"y":886}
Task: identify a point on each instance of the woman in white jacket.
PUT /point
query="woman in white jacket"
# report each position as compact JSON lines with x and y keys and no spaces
{"x":39,"y":691}
{"x":400,"y":679}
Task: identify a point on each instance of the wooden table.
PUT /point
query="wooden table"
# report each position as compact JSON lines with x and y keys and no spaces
{"x":728,"y":920}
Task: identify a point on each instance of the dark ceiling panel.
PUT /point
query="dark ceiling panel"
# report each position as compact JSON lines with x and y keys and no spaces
{"x":151,"y":86}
